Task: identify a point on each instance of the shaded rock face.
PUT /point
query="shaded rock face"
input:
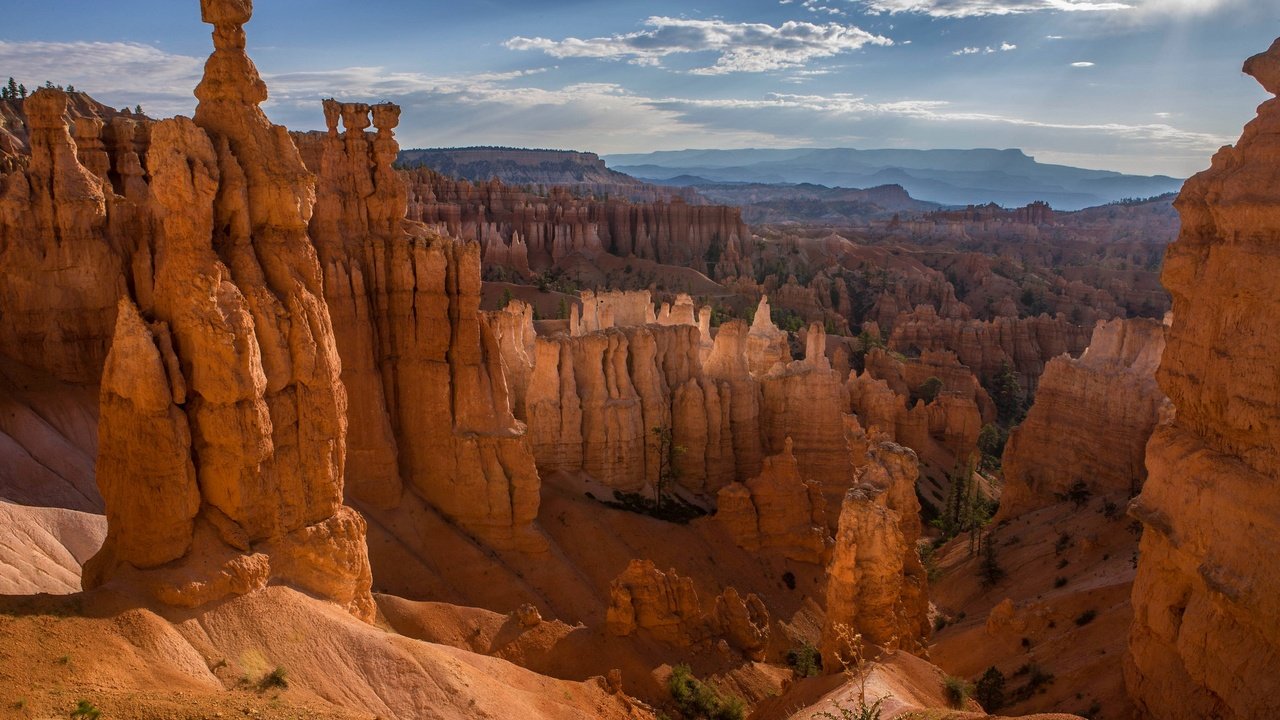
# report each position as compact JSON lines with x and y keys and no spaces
{"x":803,"y":403}
{"x":877,"y":589}
{"x":430,"y":412}
{"x":984,"y":346}
{"x":1091,"y":421}
{"x":666,"y":607}
{"x":67,"y":234}
{"x":594,"y":401}
{"x":886,"y":396}
{"x":777,"y":510}
{"x":523,"y":233}
{"x":223,"y":418}
{"x":1205,"y":641}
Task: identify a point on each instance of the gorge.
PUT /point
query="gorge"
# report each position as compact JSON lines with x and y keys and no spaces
{"x":289,"y":430}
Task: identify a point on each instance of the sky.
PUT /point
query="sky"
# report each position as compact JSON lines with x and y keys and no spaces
{"x":1139,"y":86}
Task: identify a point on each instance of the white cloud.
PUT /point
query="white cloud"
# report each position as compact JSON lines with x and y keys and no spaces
{"x":503,"y":108}
{"x":122,"y":73}
{"x":1082,"y":64}
{"x":741,"y":47}
{"x":1052,"y":37}
{"x":988,"y":50}
{"x":975,"y":8}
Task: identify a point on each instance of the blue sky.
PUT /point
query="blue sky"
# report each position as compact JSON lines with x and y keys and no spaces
{"x":1145,"y":86}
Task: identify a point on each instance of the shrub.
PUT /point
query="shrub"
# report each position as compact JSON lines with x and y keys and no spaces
{"x":789,"y":579}
{"x":989,"y":569}
{"x":1037,"y":679}
{"x":991,"y":441}
{"x":1086,"y":617}
{"x":85,"y":710}
{"x":1059,"y":582}
{"x":698,"y":701}
{"x":805,"y":660}
{"x":928,"y":390}
{"x":1064,"y":542}
{"x":989,"y":690}
{"x":275,"y":679}
{"x":1079,"y":494}
{"x":956,"y":691}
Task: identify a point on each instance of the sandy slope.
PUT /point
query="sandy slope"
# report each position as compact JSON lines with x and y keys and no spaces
{"x":133,"y":663}
{"x":1091,"y":557}
{"x":42,"y":549}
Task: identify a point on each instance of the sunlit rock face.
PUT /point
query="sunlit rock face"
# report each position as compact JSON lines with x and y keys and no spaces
{"x":223,"y":416}
{"x":1205,"y":640}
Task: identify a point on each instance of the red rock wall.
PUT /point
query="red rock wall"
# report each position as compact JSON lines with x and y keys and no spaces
{"x":1205,"y":640}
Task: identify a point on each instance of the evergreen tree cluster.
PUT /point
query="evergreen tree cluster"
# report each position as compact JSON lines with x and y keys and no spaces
{"x":12,"y":90}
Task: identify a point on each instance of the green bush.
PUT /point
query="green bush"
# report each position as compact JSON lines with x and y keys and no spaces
{"x":1086,"y":617}
{"x":697,"y":700}
{"x":805,"y":660}
{"x":275,"y":679}
{"x":85,"y":710}
{"x":956,"y":691}
{"x":989,"y":690}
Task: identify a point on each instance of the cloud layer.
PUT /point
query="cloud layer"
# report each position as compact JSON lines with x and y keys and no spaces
{"x":528,"y":108}
{"x":741,"y":47}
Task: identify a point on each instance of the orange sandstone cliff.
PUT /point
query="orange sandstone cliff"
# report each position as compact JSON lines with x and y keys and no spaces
{"x":1205,"y":640}
{"x":1091,"y":420}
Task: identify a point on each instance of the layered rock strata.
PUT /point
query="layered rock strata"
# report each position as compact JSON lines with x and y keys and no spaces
{"x":777,"y":510}
{"x":1205,"y":641}
{"x":526,"y":233}
{"x":1026,"y":344}
{"x":431,"y":412}
{"x":223,"y":419}
{"x":1091,"y":421}
{"x":67,"y":236}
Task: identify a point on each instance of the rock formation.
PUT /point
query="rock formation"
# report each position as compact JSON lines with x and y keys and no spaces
{"x":804,"y":403}
{"x":64,"y":244}
{"x":777,"y":510}
{"x":223,"y":438}
{"x":666,"y":607}
{"x":766,"y":344}
{"x":1205,"y":641}
{"x":985,"y":346}
{"x":1091,"y":420}
{"x":430,"y":403}
{"x":595,"y":400}
{"x":521,"y":232}
{"x":877,"y":590}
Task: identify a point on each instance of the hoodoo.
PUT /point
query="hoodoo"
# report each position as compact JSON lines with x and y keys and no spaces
{"x":224,"y":418}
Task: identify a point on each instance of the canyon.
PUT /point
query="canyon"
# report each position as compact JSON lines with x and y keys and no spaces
{"x":290,"y":430}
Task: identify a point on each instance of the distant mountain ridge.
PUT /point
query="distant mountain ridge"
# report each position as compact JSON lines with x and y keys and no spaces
{"x":1010,"y":177}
